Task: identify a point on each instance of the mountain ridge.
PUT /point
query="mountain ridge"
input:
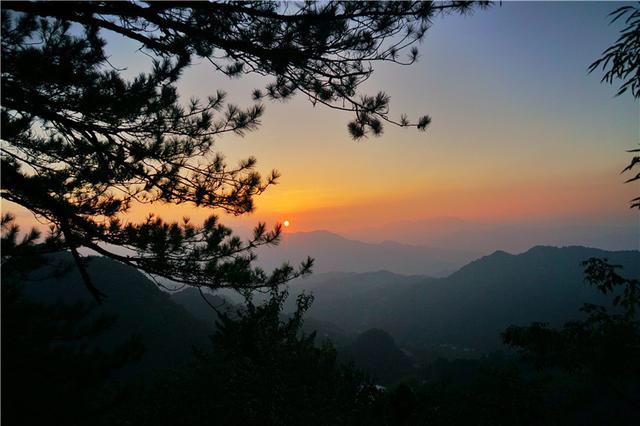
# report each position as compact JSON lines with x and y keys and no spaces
{"x":478,"y":236}
{"x":470,"y":307}
{"x":335,"y":253}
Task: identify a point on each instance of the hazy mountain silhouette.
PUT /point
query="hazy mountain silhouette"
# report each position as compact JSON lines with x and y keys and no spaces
{"x":170,"y":324}
{"x":455,"y":233}
{"x":192,"y":301}
{"x":367,"y":296}
{"x":469,"y":308}
{"x":169,"y":333}
{"x":376,"y":353}
{"x":465,"y":310}
{"x":335,"y":253}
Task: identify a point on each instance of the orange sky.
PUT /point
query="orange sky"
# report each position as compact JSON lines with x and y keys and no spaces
{"x":519,"y":131}
{"x":592,"y":198}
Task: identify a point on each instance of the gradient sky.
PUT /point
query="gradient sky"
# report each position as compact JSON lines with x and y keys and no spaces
{"x":520,"y":131}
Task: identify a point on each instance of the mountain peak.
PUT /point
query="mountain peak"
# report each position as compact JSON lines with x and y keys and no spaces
{"x":335,"y":253}
{"x":315,"y":233}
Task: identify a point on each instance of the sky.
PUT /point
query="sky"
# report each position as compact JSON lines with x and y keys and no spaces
{"x":520,"y":132}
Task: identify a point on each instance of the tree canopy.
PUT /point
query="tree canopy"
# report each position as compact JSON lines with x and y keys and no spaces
{"x":620,"y":62}
{"x":603,"y":347}
{"x":81,"y":143}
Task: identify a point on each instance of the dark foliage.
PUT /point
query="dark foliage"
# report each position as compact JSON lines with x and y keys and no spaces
{"x":635,"y":203}
{"x":621,"y":62}
{"x":81,"y":143}
{"x":49,"y":373}
{"x":600,"y":352}
{"x":583,"y":373}
{"x":488,"y":391}
{"x":463,"y":314}
{"x":168,"y":331}
{"x":606,"y":342}
{"x":376,"y":353}
{"x":261,"y":370}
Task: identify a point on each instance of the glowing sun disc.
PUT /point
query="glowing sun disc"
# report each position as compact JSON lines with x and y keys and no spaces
{"x":286,"y":223}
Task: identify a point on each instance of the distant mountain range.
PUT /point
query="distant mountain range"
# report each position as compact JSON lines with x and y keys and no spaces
{"x":469,"y":308}
{"x":462,"y":313}
{"x":334,"y":253}
{"x":169,"y":332}
{"x":455,"y":233}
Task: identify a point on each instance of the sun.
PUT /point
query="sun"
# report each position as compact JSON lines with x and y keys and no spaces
{"x":286,"y":223}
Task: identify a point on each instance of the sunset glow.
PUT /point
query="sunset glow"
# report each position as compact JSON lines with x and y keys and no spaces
{"x":320,"y":212}
{"x":532,"y":139}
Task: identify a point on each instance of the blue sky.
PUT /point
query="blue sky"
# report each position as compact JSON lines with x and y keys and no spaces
{"x":520,"y":131}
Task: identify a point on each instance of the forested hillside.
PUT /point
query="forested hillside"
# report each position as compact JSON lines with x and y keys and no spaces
{"x":169,"y":333}
{"x":469,"y":308}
